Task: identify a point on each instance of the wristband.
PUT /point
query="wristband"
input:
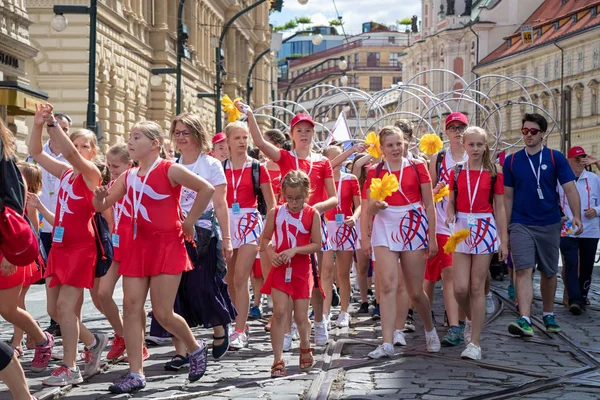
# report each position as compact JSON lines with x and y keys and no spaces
{"x":52,"y":124}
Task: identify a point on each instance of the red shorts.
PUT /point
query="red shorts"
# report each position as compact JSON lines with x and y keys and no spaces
{"x":433,"y":271}
{"x":256,"y":269}
{"x":23,"y":276}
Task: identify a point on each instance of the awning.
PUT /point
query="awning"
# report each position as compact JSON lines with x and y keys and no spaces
{"x":20,"y":99}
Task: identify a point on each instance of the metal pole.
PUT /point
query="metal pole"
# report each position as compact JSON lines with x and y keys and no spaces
{"x":219,"y":121}
{"x":563,"y":122}
{"x":91,"y":106}
{"x":179,"y":55}
{"x":477,"y":96}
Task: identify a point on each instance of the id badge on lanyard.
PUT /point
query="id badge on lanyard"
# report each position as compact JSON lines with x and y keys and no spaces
{"x":59,"y":233}
{"x":115,"y":240}
{"x":288,"y":274}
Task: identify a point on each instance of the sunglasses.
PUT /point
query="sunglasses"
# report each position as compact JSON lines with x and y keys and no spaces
{"x":533,"y":131}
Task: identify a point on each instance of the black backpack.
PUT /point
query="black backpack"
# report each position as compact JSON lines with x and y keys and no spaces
{"x":438,"y":163}
{"x":104,"y":244}
{"x":262,"y":204}
{"x":458,"y":168}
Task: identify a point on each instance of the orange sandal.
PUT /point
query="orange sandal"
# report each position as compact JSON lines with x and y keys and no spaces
{"x":278,"y":369}
{"x":306,"y":359}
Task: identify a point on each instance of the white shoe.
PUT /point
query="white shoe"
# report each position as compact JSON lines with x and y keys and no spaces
{"x":287,"y":342}
{"x":382,"y":351}
{"x":468,"y":331}
{"x":489,"y":303}
{"x":433,"y":343}
{"x":327,"y":320}
{"x":294,"y":332}
{"x":238,"y":341}
{"x":472,"y":352}
{"x":270,"y":302}
{"x":343,"y":320}
{"x":399,"y":339}
{"x":321,"y":333}
{"x":157,"y":341}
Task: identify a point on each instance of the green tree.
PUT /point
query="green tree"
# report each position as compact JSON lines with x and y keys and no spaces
{"x":335,"y":22}
{"x":288,"y":26}
{"x":406,"y":22}
{"x":303,"y":21}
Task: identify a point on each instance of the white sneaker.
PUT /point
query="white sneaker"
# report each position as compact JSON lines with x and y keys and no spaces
{"x":433,"y":342}
{"x":238,"y":340}
{"x":472,"y":352}
{"x":270,"y":302}
{"x":93,"y":355}
{"x":382,"y":351}
{"x":343,"y":320}
{"x":157,"y":341}
{"x":468,"y":331}
{"x":321,"y":333}
{"x":294,"y":332}
{"x":287,"y":342}
{"x":57,"y":354}
{"x":399,"y":339}
{"x":327,"y":320}
{"x":489,"y":303}
{"x":63,"y":376}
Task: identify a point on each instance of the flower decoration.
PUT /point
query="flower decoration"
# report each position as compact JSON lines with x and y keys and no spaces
{"x":455,"y":239}
{"x":430,"y":143}
{"x":384,"y":187}
{"x":439,"y":196}
{"x":374,"y":148}
{"x":230,"y":109}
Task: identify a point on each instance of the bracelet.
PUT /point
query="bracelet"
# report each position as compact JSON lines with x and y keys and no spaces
{"x":52,"y":124}
{"x":226,"y":237}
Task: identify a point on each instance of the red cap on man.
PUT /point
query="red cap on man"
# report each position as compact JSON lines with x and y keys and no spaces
{"x":576,"y":151}
{"x":302,"y":117}
{"x":219,"y":137}
{"x":457,"y":116}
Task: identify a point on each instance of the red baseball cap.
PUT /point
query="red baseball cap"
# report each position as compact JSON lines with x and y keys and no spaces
{"x":302,"y":117}
{"x":457,"y":116}
{"x":576,"y":151}
{"x":219,"y":137}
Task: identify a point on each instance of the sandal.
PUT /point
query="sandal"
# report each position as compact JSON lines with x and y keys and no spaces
{"x":306,"y":359}
{"x":18,"y":351}
{"x":278,"y":369}
{"x":219,"y":351}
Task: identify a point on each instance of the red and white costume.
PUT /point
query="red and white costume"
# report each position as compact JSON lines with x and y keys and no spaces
{"x":318,"y":168}
{"x":72,"y":260}
{"x":157,"y":244}
{"x":122,"y":234}
{"x":292,"y":230}
{"x":341,"y":236}
{"x":474,"y":211}
{"x":245,"y":222}
{"x":275,"y":175}
{"x":403,"y":226}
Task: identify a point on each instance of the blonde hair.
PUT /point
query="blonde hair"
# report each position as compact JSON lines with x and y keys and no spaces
{"x":232,"y":126}
{"x":120,"y":150}
{"x":89,"y":136}
{"x":332,"y":147}
{"x":197,"y":130}
{"x":152,"y":130}
{"x":32,"y":174}
{"x":487,"y":154}
{"x":389,"y":130}
{"x":296,"y":179}
{"x":8,"y":141}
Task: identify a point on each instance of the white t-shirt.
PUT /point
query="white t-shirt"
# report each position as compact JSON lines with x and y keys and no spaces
{"x":588,"y":186}
{"x":50,"y":186}
{"x":208,"y":168}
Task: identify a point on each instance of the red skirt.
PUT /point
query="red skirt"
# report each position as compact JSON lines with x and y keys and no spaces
{"x":155,"y":254}
{"x":125,"y":238}
{"x":302,"y":282}
{"x":257,"y":269}
{"x":23,"y":276}
{"x":72,"y":265}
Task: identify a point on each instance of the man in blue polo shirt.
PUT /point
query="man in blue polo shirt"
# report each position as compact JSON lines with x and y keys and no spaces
{"x":533,"y":212}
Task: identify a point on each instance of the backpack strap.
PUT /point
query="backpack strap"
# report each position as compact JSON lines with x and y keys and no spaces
{"x":494,"y":178}
{"x":552,"y":157}
{"x":378,"y":169}
{"x":256,"y":176}
{"x":457,"y":168}
{"x":438,"y":163}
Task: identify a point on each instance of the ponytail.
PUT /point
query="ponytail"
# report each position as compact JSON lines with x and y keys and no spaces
{"x":487,"y":161}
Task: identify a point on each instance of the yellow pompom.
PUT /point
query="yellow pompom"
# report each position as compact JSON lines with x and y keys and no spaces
{"x":455,"y":239}
{"x":439,"y":196}
{"x":233,"y":114}
{"x":384,"y":187}
{"x":430,"y":143}
{"x":374,"y":148}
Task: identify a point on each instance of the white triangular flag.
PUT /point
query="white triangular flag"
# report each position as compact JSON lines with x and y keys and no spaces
{"x":340,"y":131}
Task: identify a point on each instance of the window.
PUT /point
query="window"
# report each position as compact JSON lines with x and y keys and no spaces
{"x":372,"y":59}
{"x":579,"y":110}
{"x":580,"y":62}
{"x":569,"y":65}
{"x":594,"y":102}
{"x":396,"y":80}
{"x":556,"y":68}
{"x":394,"y":60}
{"x":596,"y":62}
{"x":353,"y":81}
{"x":547,"y":70}
{"x":356,"y":58}
{"x":536,"y":71}
{"x":375,"y":83}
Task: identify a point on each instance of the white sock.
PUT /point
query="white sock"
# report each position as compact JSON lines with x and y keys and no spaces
{"x":95,"y":342}
{"x":527,"y":319}
{"x":142,"y":377}
{"x":388,"y":346}
{"x":548,"y":313}
{"x":430,"y":333}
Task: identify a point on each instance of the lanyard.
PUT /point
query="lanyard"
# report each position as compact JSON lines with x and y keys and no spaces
{"x":588,"y":191}
{"x":120,"y":206}
{"x":236,"y":186}
{"x":538,"y":175}
{"x":64,"y":200}
{"x":473,"y":194}
{"x":137,"y":201}
{"x":339,"y":192}
{"x":298,"y":164}
{"x":387,"y":165}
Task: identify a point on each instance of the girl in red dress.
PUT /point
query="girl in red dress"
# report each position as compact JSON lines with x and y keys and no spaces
{"x":403,"y":228}
{"x":474,"y":211}
{"x":72,"y":260}
{"x":156,"y":254}
{"x":245,"y":224}
{"x":297,"y":230}
{"x":323,"y":194}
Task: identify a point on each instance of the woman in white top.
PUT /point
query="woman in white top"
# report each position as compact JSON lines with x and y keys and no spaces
{"x":579,"y":252}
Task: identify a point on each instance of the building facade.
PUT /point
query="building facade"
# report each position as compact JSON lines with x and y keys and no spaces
{"x":566,"y":31}
{"x":135,"y":36}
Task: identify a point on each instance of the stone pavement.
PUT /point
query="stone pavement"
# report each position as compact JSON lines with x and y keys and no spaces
{"x":564,"y":366}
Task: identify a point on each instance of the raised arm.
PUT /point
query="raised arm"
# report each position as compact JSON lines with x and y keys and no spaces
{"x":105,"y":197}
{"x":270,"y":150}
{"x":36,"y":148}
{"x":359,"y":164}
{"x":357,"y":148}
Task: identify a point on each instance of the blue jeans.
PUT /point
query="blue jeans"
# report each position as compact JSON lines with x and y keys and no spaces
{"x":579,"y":256}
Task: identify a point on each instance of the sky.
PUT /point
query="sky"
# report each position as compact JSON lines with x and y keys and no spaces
{"x":354,"y":12}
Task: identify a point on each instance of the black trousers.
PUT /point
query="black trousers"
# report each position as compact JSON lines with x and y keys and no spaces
{"x":579,"y":256}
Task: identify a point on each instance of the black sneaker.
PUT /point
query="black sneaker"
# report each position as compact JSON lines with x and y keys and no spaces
{"x":177,"y":362}
{"x":409,"y":325}
{"x":335,"y":297}
{"x":54,"y":329}
{"x":369,"y":292}
{"x":575,"y":309}
{"x":376,"y":313}
{"x":364,"y":308}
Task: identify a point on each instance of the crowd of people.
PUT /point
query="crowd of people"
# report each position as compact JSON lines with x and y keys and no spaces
{"x":196,"y":223}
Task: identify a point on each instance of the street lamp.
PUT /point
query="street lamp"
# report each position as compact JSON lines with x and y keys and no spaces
{"x":302,"y":2}
{"x":317,"y":39}
{"x":59,"y":23}
{"x":344,"y":80}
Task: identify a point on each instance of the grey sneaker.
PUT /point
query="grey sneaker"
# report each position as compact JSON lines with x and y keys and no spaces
{"x":63,"y":376}
{"x":93,"y":355}
{"x":198,"y":363}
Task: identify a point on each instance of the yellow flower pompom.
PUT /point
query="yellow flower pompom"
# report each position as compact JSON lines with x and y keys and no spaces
{"x":430,"y":143}
{"x":439,"y":196}
{"x":233,"y":114}
{"x":384,"y":187}
{"x":455,"y":239}
{"x":374,"y":148}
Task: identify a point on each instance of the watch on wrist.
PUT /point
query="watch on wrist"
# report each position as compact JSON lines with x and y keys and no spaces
{"x":52,"y":124}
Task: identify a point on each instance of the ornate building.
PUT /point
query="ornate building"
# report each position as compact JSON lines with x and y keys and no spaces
{"x":135,"y":36}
